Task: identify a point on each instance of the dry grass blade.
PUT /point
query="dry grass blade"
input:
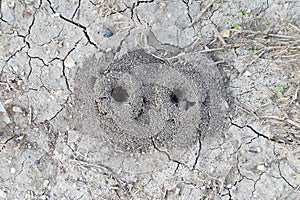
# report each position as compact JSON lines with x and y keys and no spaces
{"x":217,"y":33}
{"x":265,"y":34}
{"x":282,"y":119}
{"x":294,"y":27}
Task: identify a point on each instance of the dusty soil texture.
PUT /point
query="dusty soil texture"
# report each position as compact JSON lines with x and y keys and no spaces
{"x":106,"y":99}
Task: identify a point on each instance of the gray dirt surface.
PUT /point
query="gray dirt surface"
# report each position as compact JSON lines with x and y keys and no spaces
{"x":66,"y":132}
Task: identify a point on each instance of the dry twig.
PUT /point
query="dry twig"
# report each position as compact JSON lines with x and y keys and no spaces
{"x":266,"y":34}
{"x":282,"y":119}
{"x":218,"y":35}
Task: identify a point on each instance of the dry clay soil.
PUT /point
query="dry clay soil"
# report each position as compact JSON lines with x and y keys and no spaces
{"x":186,"y":100}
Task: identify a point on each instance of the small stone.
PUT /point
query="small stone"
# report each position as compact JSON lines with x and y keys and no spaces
{"x":26,"y":14}
{"x":229,"y":186}
{"x":19,"y":82}
{"x":17,"y":109}
{"x":13,"y":170}
{"x":203,"y":188}
{"x":8,"y":101}
{"x":55,"y":15}
{"x":37,"y":162}
{"x":107,"y":32}
{"x":286,"y":5}
{"x":28,"y":145}
{"x":20,"y":138}
{"x":261,"y":167}
{"x":69,"y":62}
{"x":255,"y":150}
{"x":225,"y":33}
{"x":34,"y":145}
{"x":1,"y":133}
{"x":247,"y":73}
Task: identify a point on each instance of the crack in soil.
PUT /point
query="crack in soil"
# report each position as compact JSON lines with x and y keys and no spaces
{"x":256,"y":181}
{"x":188,"y":11}
{"x":136,"y":4}
{"x":285,"y":180}
{"x":124,"y":39}
{"x":243,"y":143}
{"x":166,"y":153}
{"x":84,"y":29}
{"x":257,"y":133}
{"x":199,"y":149}
{"x":64,"y":66}
{"x":14,"y":54}
{"x":5,"y":143}
{"x":76,"y":10}
{"x":57,"y":113}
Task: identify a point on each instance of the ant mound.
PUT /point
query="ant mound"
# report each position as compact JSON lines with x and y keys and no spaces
{"x":138,"y":101}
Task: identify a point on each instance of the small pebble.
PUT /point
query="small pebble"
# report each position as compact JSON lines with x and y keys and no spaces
{"x":69,"y":62}
{"x":225,"y":33}
{"x":254,"y":149}
{"x":28,"y":145}
{"x":37,"y":162}
{"x":247,"y":73}
{"x":13,"y":170}
{"x":261,"y":167}
{"x":26,"y":14}
{"x":55,"y":15}
{"x":107,"y":32}
{"x":17,"y":109}
{"x":1,"y":133}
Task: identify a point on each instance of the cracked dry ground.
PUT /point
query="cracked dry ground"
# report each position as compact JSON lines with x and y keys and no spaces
{"x":43,"y":43}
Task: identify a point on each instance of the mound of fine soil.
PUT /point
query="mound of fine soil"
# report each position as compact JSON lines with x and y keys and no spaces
{"x":137,"y":100}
